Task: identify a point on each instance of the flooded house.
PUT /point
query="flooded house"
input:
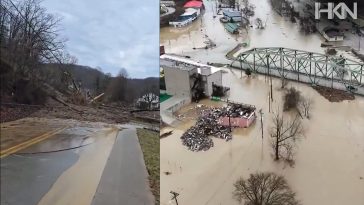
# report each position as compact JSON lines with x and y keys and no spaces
{"x":231,"y":16}
{"x":193,"y":10}
{"x":238,"y":115}
{"x":198,"y":5}
{"x":232,"y":19}
{"x":332,"y":34}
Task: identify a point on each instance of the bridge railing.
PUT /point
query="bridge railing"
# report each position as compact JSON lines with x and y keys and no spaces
{"x":307,"y":67}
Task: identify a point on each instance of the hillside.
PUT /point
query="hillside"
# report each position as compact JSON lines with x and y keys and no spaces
{"x":95,"y":80}
{"x":21,"y":98}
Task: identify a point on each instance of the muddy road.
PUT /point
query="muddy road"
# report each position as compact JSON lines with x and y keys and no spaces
{"x":55,"y":161}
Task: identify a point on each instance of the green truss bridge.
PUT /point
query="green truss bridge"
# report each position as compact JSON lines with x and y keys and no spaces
{"x":302,"y":66}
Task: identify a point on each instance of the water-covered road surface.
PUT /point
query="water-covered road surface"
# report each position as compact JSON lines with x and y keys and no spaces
{"x":72,"y":166}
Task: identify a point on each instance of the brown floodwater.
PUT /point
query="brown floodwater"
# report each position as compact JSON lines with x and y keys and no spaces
{"x":328,"y":160}
{"x":278,"y":32}
{"x":329,"y":166}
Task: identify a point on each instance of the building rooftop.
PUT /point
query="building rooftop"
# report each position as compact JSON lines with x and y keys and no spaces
{"x":165,"y":62}
{"x":231,"y":13}
{"x":332,"y":33}
{"x":193,"y":4}
{"x":189,"y":12}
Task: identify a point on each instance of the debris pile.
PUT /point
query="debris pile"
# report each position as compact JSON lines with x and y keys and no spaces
{"x":166,"y":134}
{"x":236,"y":110}
{"x":197,"y":137}
{"x":192,"y":113}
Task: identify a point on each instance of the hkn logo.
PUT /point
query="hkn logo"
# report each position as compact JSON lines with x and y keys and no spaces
{"x":333,"y":10}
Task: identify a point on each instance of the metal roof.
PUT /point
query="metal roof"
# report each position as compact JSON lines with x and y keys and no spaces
{"x":193,"y":4}
{"x":231,"y":13}
{"x":189,"y":12}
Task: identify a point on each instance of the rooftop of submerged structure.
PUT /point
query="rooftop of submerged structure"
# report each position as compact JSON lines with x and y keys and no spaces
{"x":183,"y":63}
{"x":176,"y":64}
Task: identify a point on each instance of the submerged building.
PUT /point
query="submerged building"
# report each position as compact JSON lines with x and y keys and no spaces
{"x":193,"y":10}
{"x":191,"y":80}
{"x":239,"y":115}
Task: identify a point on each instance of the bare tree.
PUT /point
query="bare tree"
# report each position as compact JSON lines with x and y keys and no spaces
{"x":291,"y":99}
{"x":67,"y":59}
{"x":284,"y":82}
{"x":284,"y":134}
{"x":245,"y":3}
{"x":259,"y":23}
{"x":307,"y":25}
{"x":248,"y":72}
{"x":305,"y":105}
{"x":231,"y":3}
{"x":118,"y":86}
{"x":264,"y":189}
{"x":29,"y":37}
{"x":150,"y":95}
{"x":149,"y":98}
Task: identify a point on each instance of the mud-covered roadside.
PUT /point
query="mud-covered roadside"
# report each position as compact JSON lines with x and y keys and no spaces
{"x":92,"y":114}
{"x":11,"y":113}
{"x":100,"y":113}
{"x":334,"y":95}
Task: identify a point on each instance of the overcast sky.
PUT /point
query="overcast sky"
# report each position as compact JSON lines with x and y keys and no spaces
{"x":113,"y":35}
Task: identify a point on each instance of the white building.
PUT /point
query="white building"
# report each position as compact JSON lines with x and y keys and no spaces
{"x":184,"y":77}
{"x":148,"y":101}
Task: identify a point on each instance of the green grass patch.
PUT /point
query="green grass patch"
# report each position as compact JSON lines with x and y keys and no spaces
{"x":149,"y":142}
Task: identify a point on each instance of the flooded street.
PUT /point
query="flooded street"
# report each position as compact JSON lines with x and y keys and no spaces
{"x":328,"y":162}
{"x":278,"y":32}
{"x":72,"y":165}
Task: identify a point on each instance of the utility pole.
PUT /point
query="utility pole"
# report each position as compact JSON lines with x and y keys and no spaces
{"x":270,"y":78}
{"x":269,"y":101}
{"x":175,"y":194}
{"x":229,"y":117}
{"x":359,"y":34}
{"x":357,"y":31}
{"x":271,"y":89}
{"x":261,"y":121}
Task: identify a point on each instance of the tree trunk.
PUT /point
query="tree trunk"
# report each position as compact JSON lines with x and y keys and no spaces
{"x":277,"y":146}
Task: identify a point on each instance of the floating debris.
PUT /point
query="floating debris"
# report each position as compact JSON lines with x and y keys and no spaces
{"x":166,"y":134}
